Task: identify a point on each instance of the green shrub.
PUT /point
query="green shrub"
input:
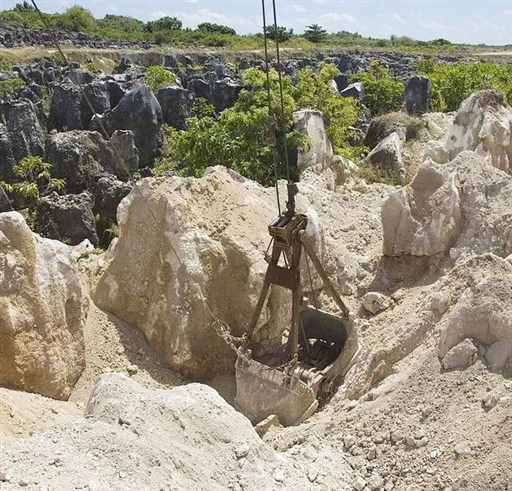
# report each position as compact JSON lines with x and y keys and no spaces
{"x":121,"y":24}
{"x":241,"y":136}
{"x":216,"y":29}
{"x":340,"y":113}
{"x":77,"y":18}
{"x":452,"y":83}
{"x":158,"y":76}
{"x":164,"y":24}
{"x":33,"y":179}
{"x":382,"y":92}
{"x":282,"y":33}
{"x":10,"y":86}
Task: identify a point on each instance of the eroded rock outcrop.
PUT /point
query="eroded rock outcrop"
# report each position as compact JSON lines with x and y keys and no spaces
{"x":482,"y":311}
{"x":483,"y":124}
{"x":463,"y":207}
{"x":20,"y":133}
{"x":140,"y":112}
{"x":80,"y":157}
{"x":43,"y":308}
{"x":190,"y":248}
{"x":319,"y":153}
{"x":67,"y":218}
{"x":387,"y":159}
{"x":424,"y":218}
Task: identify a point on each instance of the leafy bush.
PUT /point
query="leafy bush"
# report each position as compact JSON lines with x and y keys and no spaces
{"x":77,"y":18}
{"x":314,"y":91}
{"x":158,"y":76}
{"x":241,"y":136}
{"x":10,"y":86}
{"x":382,"y":92}
{"x":452,"y":83}
{"x":238,"y":138}
{"x":121,"y":24}
{"x":164,"y":24}
{"x":33,"y":180}
{"x":216,"y":29}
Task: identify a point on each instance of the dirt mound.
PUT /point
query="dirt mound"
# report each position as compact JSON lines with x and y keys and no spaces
{"x":200,"y":442}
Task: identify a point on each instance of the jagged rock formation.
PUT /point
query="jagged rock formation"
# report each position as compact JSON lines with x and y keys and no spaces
{"x":140,"y":112}
{"x":417,"y":97}
{"x":201,"y":254}
{"x":386,"y":157}
{"x":483,"y":124}
{"x":176,"y":103}
{"x":319,"y":153}
{"x":74,"y":103}
{"x":42,"y":311}
{"x":67,"y":218}
{"x":424,"y":218}
{"x":447,"y":208}
{"x":80,"y":157}
{"x":20,"y":133}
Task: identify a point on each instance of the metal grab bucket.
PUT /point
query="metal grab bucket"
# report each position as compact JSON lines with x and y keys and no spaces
{"x":322,"y":337}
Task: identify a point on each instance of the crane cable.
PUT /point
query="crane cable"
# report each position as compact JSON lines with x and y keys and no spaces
{"x":284,"y":140}
{"x":269,"y":98}
{"x":279,"y":132}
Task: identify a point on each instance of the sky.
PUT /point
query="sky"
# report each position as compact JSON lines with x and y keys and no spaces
{"x":465,"y":21}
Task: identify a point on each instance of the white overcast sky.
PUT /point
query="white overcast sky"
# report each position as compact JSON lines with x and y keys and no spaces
{"x":475,"y":21}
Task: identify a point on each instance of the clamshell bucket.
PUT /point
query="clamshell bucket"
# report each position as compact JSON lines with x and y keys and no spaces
{"x":292,"y":394}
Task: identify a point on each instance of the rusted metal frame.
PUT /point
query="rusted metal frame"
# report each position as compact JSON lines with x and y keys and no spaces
{"x":293,"y":339}
{"x":276,"y":253}
{"x":325,"y":278}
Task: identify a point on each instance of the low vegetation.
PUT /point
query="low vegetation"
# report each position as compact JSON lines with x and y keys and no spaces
{"x":158,"y":76}
{"x":10,"y":86}
{"x":32,"y":179}
{"x":452,"y":83}
{"x":382,"y":92}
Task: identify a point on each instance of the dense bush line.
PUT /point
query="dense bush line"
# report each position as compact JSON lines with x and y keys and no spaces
{"x":170,"y":30}
{"x":452,"y":83}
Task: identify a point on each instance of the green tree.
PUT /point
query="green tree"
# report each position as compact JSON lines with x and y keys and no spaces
{"x":158,"y":76}
{"x":77,"y":18}
{"x":315,"y":33}
{"x":216,"y":29}
{"x":24,"y":7}
{"x":282,"y":33}
{"x":382,"y":92}
{"x":164,"y":24}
